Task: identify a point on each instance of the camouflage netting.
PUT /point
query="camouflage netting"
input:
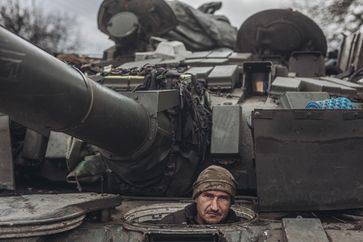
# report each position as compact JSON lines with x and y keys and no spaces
{"x":194,"y":104}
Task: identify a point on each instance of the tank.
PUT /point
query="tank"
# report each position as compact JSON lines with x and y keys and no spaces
{"x":137,"y":26}
{"x":145,"y":131}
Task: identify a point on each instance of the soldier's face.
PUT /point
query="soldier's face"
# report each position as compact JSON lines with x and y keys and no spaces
{"x":212,"y":207}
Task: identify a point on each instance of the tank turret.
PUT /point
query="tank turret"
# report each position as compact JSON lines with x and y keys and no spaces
{"x":140,"y":137}
{"x":131,"y":24}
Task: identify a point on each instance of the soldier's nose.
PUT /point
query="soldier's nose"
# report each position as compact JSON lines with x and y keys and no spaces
{"x":214,"y":205}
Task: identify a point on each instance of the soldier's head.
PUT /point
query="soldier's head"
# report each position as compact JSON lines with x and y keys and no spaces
{"x":214,"y":192}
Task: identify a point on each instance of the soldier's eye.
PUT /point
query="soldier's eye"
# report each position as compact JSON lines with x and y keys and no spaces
{"x":224,"y":199}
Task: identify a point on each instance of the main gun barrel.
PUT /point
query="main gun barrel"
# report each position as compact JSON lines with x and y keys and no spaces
{"x":38,"y":89}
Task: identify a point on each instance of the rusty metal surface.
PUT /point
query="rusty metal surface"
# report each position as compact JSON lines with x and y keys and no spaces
{"x":44,"y":214}
{"x":42,"y":229}
{"x":264,"y":227}
{"x":345,"y":236}
{"x":154,"y":212}
{"x":115,"y":232}
{"x":6,"y":160}
{"x":303,"y":229}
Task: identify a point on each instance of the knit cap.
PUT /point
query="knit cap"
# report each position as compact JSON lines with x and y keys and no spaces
{"x":215,"y":178}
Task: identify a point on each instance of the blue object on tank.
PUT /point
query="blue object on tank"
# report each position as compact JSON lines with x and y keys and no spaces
{"x":334,"y":103}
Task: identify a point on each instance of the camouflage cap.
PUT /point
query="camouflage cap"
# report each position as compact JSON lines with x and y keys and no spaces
{"x":215,"y":178}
